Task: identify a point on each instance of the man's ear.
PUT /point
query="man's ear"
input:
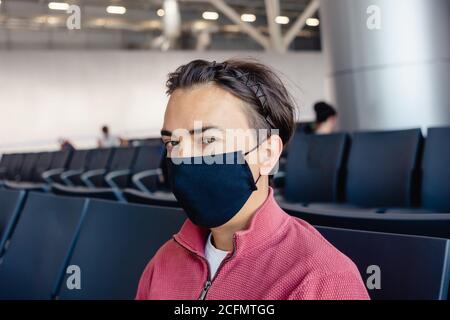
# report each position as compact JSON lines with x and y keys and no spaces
{"x":269,"y":155}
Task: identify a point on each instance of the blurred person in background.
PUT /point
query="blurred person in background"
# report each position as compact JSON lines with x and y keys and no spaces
{"x":65,"y":145}
{"x":326,"y":117}
{"x":107,"y":140}
{"x":325,"y":123}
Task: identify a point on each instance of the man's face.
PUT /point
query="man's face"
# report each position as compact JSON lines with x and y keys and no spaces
{"x":204,"y":120}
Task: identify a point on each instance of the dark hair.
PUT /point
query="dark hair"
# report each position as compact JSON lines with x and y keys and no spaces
{"x":270,"y":104}
{"x":105,"y":129}
{"x":323,"y":111}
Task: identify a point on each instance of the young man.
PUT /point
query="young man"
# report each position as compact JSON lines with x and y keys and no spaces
{"x":237,"y":243}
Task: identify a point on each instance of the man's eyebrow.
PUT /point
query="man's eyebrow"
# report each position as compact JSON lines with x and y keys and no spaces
{"x":192,"y":131}
{"x":203,"y":129}
{"x":166,"y":133}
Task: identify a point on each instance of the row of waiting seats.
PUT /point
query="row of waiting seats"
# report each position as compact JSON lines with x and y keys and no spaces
{"x":109,"y":243}
{"x":391,"y":181}
{"x":396,"y":171}
{"x":127,"y":173}
{"x":45,"y":239}
{"x":377,"y":180}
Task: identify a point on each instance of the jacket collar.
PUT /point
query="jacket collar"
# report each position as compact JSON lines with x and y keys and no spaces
{"x":266,"y":221}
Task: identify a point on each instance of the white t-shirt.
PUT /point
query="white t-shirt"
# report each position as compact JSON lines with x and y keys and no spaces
{"x":109,"y":141}
{"x":214,"y":256}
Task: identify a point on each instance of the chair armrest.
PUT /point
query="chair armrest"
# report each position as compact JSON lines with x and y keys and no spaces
{"x":109,"y":178}
{"x":49,"y":173}
{"x":143,"y":174}
{"x":85,"y":177}
{"x":65,"y":176}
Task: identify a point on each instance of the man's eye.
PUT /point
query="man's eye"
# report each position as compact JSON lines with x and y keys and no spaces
{"x":208,"y":140}
{"x":171,"y":143}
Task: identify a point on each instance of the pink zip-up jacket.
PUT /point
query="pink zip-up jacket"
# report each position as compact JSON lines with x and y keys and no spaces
{"x":277,"y":257}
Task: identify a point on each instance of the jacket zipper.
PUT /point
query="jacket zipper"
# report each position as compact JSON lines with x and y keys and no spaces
{"x":205,"y":290}
{"x":209,"y":281}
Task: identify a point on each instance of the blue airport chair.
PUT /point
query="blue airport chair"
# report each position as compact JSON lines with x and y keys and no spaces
{"x":423,"y":224}
{"x":76,"y":166}
{"x":39,"y":245}
{"x":34,"y":170}
{"x":11,"y":202}
{"x":434,"y":190}
{"x":382,"y":171}
{"x":381,"y":168}
{"x":115,"y":243}
{"x":410,"y":267}
{"x":314,"y":168}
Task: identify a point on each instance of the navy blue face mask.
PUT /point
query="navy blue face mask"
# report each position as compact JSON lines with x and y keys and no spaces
{"x":211,"y":193}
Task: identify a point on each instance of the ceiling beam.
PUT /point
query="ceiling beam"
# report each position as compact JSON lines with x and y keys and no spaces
{"x":300,"y":23}
{"x":246,"y":27}
{"x":272,"y":11}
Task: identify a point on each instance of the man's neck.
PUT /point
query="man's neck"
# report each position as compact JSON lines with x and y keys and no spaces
{"x":222,"y":237}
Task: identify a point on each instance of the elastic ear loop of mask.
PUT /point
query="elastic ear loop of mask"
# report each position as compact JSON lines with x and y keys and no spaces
{"x":251,"y":150}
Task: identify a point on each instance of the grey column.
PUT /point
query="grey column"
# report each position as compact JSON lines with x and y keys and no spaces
{"x":390,"y":78}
